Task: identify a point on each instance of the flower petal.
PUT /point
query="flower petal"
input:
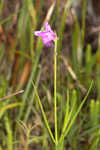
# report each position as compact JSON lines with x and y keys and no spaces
{"x":38,"y":33}
{"x":47,"y":27}
{"x":48,"y":44}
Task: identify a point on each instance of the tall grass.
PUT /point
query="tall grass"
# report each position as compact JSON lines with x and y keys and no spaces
{"x":57,"y":118}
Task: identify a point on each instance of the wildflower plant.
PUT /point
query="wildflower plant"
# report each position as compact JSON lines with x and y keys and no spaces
{"x":48,"y":38}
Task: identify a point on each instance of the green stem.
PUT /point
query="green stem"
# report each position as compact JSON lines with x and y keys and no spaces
{"x":26,"y":146}
{"x":55,"y":100}
{"x":59,"y":146}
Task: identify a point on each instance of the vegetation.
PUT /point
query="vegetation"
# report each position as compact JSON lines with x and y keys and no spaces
{"x":49,"y":96}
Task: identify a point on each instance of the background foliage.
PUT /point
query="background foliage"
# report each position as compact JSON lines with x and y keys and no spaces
{"x":24,"y":58}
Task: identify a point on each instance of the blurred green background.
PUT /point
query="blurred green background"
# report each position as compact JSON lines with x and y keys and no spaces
{"x":24,"y":58}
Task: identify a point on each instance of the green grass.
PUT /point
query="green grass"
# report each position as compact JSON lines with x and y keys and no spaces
{"x":54,"y":112}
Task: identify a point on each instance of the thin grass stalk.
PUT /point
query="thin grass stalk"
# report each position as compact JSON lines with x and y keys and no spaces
{"x":69,"y":115}
{"x":98,"y":68}
{"x":63,"y":20}
{"x":1,"y":6}
{"x":75,"y":44}
{"x":1,"y":148}
{"x":55,"y":89}
{"x":28,"y":87}
{"x":31,"y":10}
{"x":38,"y":9}
{"x":31,"y":43}
{"x":76,"y":114}
{"x":89,"y":63}
{"x":32,"y":13}
{"x":94,"y":113}
{"x":9,"y":134}
{"x":7,"y":107}
{"x":84,"y":3}
{"x":32,"y":99}
{"x":80,"y":50}
{"x":43,"y":114}
{"x":66,"y":119}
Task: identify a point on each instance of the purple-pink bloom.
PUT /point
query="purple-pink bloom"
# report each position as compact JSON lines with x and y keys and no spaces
{"x":47,"y":35}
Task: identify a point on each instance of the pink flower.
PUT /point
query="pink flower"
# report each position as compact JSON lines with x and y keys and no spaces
{"x":47,"y":35}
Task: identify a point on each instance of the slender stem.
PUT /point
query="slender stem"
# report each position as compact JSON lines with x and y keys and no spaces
{"x":13,"y":94}
{"x":55,"y":100}
{"x":26,"y":146}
